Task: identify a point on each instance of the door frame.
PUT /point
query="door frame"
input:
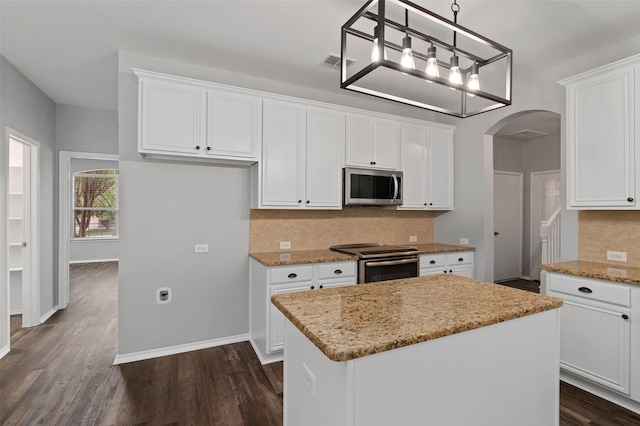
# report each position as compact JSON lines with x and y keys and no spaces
{"x":521,"y":220}
{"x":64,"y":215}
{"x":533,"y":229}
{"x":31,"y":257}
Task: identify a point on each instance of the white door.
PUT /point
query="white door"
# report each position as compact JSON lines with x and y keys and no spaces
{"x":507,"y":225}
{"x":545,"y":199}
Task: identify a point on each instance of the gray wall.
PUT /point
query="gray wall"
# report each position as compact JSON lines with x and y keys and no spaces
{"x":26,"y":109}
{"x":86,"y":129}
{"x":526,"y":157}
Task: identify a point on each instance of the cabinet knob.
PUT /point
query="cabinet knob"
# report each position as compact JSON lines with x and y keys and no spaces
{"x":625,"y":316}
{"x":299,"y":201}
{"x":208,"y":148}
{"x":450,"y":271}
{"x":433,"y":262}
{"x":585,"y":290}
{"x":320,"y":286}
{"x":337,"y":271}
{"x":461,"y":259}
{"x":197,"y":147}
{"x":425,"y":204}
{"x":307,"y":201}
{"x":430,"y":204}
{"x":292,"y":275}
{"x":445,"y":271}
{"x":630,"y":199}
{"x":312,"y":287}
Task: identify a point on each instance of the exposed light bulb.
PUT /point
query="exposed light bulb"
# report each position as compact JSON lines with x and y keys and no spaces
{"x":455,"y":77}
{"x":407,"y":55}
{"x":375,"y":52}
{"x":474,"y":81}
{"x":432,"y":63}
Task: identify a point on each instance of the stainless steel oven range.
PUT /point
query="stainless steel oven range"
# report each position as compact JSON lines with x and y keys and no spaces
{"x":379,"y":262}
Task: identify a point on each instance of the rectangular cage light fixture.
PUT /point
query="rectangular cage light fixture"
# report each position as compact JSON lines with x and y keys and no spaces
{"x":408,"y":54}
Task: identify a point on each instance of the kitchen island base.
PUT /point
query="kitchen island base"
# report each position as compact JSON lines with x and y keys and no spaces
{"x":503,"y":374}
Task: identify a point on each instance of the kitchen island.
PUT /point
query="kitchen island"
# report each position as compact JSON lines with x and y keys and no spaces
{"x":440,"y":350}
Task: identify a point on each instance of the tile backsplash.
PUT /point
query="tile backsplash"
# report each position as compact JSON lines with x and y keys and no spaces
{"x":609,"y":230}
{"x":319,"y":229}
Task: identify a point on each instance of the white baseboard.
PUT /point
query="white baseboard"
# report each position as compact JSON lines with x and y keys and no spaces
{"x":266,"y":359}
{"x":525,"y":277}
{"x":5,"y":350}
{"x":92,"y":261}
{"x":600,"y":391}
{"x":48,"y":315}
{"x":16,"y":312}
{"x":178,"y":349}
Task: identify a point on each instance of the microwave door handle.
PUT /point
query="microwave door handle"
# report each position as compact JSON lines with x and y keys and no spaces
{"x":395,"y":187}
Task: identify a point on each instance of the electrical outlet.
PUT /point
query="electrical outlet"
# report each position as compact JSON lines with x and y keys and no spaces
{"x":464,"y":241}
{"x":413,"y":238}
{"x":617,"y":256}
{"x":163,"y":295}
{"x":201,"y":248}
{"x":309,"y":379}
{"x":285,"y":245}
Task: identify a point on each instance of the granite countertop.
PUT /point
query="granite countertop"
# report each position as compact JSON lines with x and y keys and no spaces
{"x":297,"y":257}
{"x":603,"y":271}
{"x":355,"y":321}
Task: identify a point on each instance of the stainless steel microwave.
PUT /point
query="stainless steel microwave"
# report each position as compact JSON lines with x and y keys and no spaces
{"x":368,"y":187}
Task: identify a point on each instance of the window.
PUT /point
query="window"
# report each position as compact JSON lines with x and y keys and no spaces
{"x":95,"y":204}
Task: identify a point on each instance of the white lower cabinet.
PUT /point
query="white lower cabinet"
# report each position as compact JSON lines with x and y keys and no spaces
{"x":459,"y":263}
{"x":267,"y":322}
{"x":597,"y":340}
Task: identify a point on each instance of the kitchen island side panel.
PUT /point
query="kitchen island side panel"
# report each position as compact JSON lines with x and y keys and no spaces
{"x":503,"y":374}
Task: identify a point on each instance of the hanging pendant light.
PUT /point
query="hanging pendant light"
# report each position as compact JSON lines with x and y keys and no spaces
{"x":455,"y":76}
{"x":407,"y":60}
{"x":432,"y":63}
{"x":375,"y":52}
{"x":474,"y":81}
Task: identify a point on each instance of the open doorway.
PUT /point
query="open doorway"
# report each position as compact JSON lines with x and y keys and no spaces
{"x":527,"y":143}
{"x":23,"y":229}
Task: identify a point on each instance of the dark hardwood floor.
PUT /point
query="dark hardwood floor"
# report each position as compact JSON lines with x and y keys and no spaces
{"x":60,"y":373}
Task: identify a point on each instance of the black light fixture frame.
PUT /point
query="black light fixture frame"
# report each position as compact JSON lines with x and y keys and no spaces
{"x":351,"y":83}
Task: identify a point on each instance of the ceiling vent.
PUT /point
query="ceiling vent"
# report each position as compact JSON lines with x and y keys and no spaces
{"x":525,"y":135}
{"x":334,"y":61}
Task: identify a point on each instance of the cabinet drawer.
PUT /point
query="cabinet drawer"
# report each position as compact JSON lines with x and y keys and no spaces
{"x":589,"y":288}
{"x":462,"y":258}
{"x":290,"y":274}
{"x":336,"y":270}
{"x":432,"y":260}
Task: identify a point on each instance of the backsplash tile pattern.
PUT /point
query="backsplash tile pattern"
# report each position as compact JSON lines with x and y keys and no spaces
{"x":600,"y":231}
{"x":319,"y":229}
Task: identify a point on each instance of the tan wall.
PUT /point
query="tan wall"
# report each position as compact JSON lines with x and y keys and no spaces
{"x":609,"y":230}
{"x":309,"y":230}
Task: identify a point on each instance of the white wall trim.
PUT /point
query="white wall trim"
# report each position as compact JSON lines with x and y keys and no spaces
{"x":49,"y":314}
{"x":3,"y":351}
{"x":64,"y":197}
{"x":178,"y":349}
{"x":266,"y":359}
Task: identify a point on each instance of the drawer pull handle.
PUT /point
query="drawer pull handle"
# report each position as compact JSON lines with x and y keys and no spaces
{"x":625,"y":316}
{"x":337,"y":271}
{"x":433,"y":262}
{"x":585,"y":290}
{"x":292,"y":275}
{"x":461,"y":259}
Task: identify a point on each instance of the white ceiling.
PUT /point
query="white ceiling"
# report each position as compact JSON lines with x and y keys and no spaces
{"x":69,"y":48}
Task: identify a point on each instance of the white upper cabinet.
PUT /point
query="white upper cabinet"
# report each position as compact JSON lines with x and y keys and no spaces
{"x":426,"y":160}
{"x":371,"y":142}
{"x":602,"y":143}
{"x":233,"y":126}
{"x":301,"y":157}
{"x":180,"y":117}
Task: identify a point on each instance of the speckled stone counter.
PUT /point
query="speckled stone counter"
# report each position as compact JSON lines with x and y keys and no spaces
{"x":433,"y":248}
{"x":297,"y":257}
{"x":604,"y":271}
{"x":352,"y":322}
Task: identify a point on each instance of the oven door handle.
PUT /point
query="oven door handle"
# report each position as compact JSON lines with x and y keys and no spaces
{"x":390,"y":262}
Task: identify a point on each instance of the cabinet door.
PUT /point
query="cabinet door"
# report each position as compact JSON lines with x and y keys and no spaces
{"x":358,"y":141}
{"x":595,"y":342}
{"x":413,"y":163}
{"x":325,"y":141}
{"x":601,"y":144}
{"x":440,"y":174}
{"x":385,"y":144}
{"x":172,"y":117}
{"x":233,"y":125}
{"x":283,"y":154}
{"x":275,"y":341}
